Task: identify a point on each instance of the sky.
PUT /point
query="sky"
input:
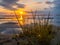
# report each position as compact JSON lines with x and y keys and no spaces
{"x":24,"y":4}
{"x":8,"y":6}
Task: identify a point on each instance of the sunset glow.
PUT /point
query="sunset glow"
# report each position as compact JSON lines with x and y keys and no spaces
{"x":21,"y":14}
{"x":29,"y":22}
{"x":21,"y":20}
{"x":20,"y":6}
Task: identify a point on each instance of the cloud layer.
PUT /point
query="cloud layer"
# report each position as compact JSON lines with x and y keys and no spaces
{"x":8,"y":4}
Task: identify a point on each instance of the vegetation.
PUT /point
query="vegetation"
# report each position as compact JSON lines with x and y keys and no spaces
{"x":37,"y":35}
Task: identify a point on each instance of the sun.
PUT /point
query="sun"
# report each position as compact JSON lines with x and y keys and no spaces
{"x":21,"y":15}
{"x":20,"y":12}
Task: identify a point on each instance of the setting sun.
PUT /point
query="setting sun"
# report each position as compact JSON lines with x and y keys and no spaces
{"x":20,"y":14}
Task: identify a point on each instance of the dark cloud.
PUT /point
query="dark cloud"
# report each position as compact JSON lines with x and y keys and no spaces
{"x":9,"y":3}
{"x":48,"y":2}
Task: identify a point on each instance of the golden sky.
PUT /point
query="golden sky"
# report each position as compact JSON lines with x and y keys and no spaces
{"x":29,"y":4}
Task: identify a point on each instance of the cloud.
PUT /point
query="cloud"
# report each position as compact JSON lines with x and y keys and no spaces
{"x":8,"y":4}
{"x":48,"y":2}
